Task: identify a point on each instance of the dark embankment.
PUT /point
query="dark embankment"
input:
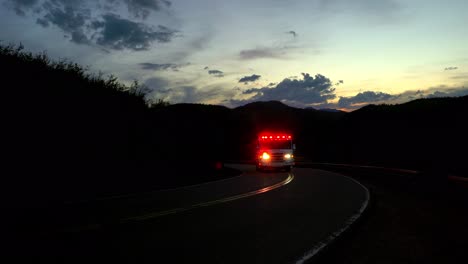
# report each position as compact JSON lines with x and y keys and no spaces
{"x":72,"y":135}
{"x":425,"y":134}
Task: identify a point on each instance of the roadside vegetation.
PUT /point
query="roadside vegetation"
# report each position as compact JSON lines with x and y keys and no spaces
{"x":70,"y":134}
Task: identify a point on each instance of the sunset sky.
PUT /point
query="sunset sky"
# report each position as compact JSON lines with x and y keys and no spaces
{"x":306,"y":53}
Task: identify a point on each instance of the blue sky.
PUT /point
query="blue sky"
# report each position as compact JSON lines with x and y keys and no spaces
{"x":306,"y":53}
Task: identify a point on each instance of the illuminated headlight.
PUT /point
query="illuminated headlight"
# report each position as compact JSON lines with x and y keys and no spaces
{"x":288,"y":156}
{"x":265,"y":156}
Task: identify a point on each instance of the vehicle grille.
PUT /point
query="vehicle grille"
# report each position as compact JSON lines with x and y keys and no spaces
{"x":277,"y":157}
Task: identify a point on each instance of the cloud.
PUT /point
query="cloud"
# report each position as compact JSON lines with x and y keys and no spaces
{"x":161,"y":89}
{"x":196,"y":43}
{"x":364,"y":98}
{"x":67,"y":17}
{"x":252,"y":91}
{"x":142,"y":8}
{"x":82,"y":21}
{"x":371,"y":97}
{"x":432,"y":92}
{"x":451,"y":68}
{"x":293,"y":33}
{"x":191,"y":94}
{"x":309,"y":91}
{"x":160,"y":67}
{"x":262,"y":53}
{"x":158,"y":84}
{"x":447,"y":92}
{"x":21,"y":6}
{"x":247,"y":79}
{"x":298,"y":92}
{"x":216,"y":73}
{"x":119,"y":33}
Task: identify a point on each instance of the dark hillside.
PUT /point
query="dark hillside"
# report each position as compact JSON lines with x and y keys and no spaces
{"x":425,"y":133}
{"x":64,"y":127}
{"x":428,"y":134}
{"x":71,"y":134}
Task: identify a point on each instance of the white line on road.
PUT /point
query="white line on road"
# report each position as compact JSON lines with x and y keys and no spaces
{"x":322,"y":244}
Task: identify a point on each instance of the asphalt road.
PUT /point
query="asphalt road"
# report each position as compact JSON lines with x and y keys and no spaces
{"x":278,"y":226}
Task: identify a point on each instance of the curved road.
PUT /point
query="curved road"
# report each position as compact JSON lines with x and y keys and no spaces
{"x":279,"y":226}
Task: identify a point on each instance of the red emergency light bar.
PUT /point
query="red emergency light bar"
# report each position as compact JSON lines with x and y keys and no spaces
{"x":275,"y":137}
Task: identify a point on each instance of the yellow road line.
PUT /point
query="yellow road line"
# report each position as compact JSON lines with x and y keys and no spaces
{"x":210,"y":203}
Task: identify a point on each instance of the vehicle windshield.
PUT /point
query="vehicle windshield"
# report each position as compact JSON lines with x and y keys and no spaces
{"x":280,"y":144}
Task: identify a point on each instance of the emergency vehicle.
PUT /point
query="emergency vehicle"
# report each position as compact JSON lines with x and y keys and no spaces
{"x":275,"y":151}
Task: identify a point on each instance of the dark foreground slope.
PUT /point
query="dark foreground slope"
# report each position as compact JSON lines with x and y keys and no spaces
{"x":69,"y":134}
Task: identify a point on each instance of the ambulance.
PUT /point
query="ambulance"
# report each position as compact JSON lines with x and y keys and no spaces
{"x":275,"y":151}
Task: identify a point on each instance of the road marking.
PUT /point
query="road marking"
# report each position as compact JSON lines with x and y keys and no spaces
{"x":132,"y":195}
{"x":328,"y":240}
{"x":210,"y":203}
{"x":183,"y":209}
